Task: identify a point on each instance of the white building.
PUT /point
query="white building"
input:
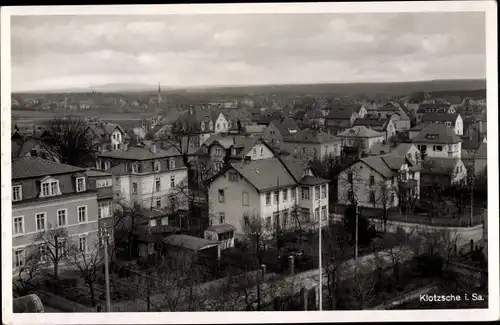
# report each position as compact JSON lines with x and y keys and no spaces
{"x":362,"y":136}
{"x":452,"y":120}
{"x":266,"y":189}
{"x":438,"y":140}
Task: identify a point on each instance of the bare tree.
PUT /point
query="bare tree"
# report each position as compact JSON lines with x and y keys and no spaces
{"x":51,"y":246}
{"x":362,"y":284}
{"x":27,"y":273}
{"x":71,"y":141}
{"x":87,"y":261}
{"x":182,"y":136}
{"x":382,"y":194}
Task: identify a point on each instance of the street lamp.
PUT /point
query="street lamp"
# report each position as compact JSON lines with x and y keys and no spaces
{"x":104,"y":234}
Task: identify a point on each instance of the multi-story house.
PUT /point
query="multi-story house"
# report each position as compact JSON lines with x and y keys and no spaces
{"x":275,"y":190}
{"x":404,"y":149}
{"x":219,"y":149}
{"x":379,"y":181}
{"x":312,"y":144}
{"x":474,"y":152}
{"x":382,"y":125}
{"x":342,"y":117}
{"x":452,"y":120}
{"x":277,"y":130}
{"x":48,"y":195}
{"x":108,"y":136}
{"x":315,"y":118}
{"x":438,"y":140}
{"x":148,"y":177}
{"x":362,"y":137}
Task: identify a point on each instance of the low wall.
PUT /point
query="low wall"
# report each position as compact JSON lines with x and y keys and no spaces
{"x":465,"y":234}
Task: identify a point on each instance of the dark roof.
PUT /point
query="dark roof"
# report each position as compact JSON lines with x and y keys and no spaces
{"x":189,"y":242}
{"x":140,"y":153}
{"x":343,"y":111}
{"x":311,"y":136}
{"x":314,"y":114}
{"x":360,"y":131}
{"x":372,"y":122}
{"x":222,"y":228}
{"x":290,"y":124}
{"x":437,"y":133}
{"x":482,"y":152}
{"x":299,"y":114}
{"x":433,"y":107}
{"x":390,"y":106}
{"x":312,"y":181}
{"x":439,"y":117}
{"x":264,"y":173}
{"x":439,"y":166}
{"x":472,"y":142}
{"x":420,"y":127}
{"x":97,"y":173}
{"x":27,"y":167}
{"x":386,"y":165}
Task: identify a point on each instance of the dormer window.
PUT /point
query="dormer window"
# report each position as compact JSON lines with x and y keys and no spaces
{"x":135,"y":168}
{"x":107,"y":164}
{"x":211,"y":126}
{"x":171,"y":163}
{"x":50,"y":188}
{"x":157,"y":166}
{"x":17,"y":193}
{"x":80,"y":184}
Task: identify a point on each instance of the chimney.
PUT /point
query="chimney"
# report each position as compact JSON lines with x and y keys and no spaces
{"x":153,"y":148}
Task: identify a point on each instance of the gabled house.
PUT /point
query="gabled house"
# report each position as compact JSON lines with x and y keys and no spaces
{"x":433,"y":108}
{"x":452,"y":120}
{"x":315,"y":117}
{"x":49,"y":195}
{"x":342,"y":117}
{"x":444,"y":171}
{"x":379,"y":181}
{"x":29,"y":147}
{"x":277,"y":130}
{"x":438,"y":140}
{"x":279,"y":191}
{"x":221,"y":149}
{"x":382,"y":125}
{"x":360,"y":137}
{"x":108,"y":136}
{"x":408,"y":150}
{"x":474,"y":152}
{"x":312,"y":144}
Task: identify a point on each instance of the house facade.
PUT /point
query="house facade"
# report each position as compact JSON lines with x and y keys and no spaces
{"x":361,"y":136}
{"x":103,"y":183}
{"x":444,"y":171}
{"x":46,"y":196}
{"x":275,"y":190}
{"x":379,"y":181}
{"x":438,"y":140}
{"x":382,"y":125}
{"x":311,"y":144}
{"x":148,"y":177}
{"x":108,"y":136}
{"x":342,"y":117}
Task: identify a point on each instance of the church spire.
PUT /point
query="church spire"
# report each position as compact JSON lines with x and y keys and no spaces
{"x":159,"y":93}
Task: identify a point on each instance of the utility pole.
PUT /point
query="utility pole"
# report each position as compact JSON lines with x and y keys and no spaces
{"x":320,"y":259}
{"x":105,"y":235}
{"x":356,"y":241}
{"x":278,"y":230}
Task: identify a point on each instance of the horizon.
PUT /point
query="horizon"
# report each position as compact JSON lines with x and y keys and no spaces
{"x":193,"y":51}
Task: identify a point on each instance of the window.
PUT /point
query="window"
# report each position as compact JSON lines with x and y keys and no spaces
{"x":222,"y":217}
{"x":211,"y":125}
{"x":349,"y":177}
{"x":217,"y":151}
{"x":107,"y":165}
{"x":62,"y":247}
{"x":316,"y":214}
{"x":412,"y":175}
{"x":372,"y":180}
{"x":285,"y":219}
{"x":82,"y":214}
{"x":45,"y":189}
{"x":33,"y":153}
{"x":157,"y":184}
{"x":80,"y":184}
{"x":164,"y":221}
{"x":157,"y":166}
{"x":135,"y":168}
{"x":285,"y":195}
{"x":304,"y":150}
{"x":245,"y":199}
{"x":305,"y":193}
{"x":172,"y":181}
{"x":437,"y":148}
{"x":315,"y":153}
{"x":317,"y":193}
{"x":19,"y":257}
{"x":42,"y":251}
{"x":323,"y":191}
{"x":17,"y":194}
{"x":18,"y":225}
{"x":221,"y":196}
{"x":152,"y":223}
{"x":218,"y":126}
{"x":233,"y":177}
{"x":54,"y":188}
{"x":372,"y":197}
{"x":306,"y":215}
{"x":269,"y":221}
{"x":262,"y":151}
{"x":224,"y":125}
{"x":268,"y":198}
{"x":326,"y":150}
{"x":203,"y":126}
{"x":323,"y":212}
{"x":134,"y":188}
{"x":393,"y":199}
{"x":82,"y":244}
{"x":276,"y":197}
{"x":61,"y":217}
{"x":40,"y":219}
{"x":158,"y":203}
{"x":254,"y":151}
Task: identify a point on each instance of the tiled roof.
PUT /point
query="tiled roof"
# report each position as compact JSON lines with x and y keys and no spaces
{"x":290,"y":124}
{"x":342,"y":111}
{"x":360,"y":131}
{"x":97,"y":173}
{"x":371,"y":122}
{"x":314,"y":114}
{"x":189,"y":242}
{"x":403,"y":148}
{"x":380,"y":148}
{"x":280,"y":127}
{"x":437,"y":133}
{"x":299,"y":114}
{"x":387,"y":165}
{"x":420,"y":127}
{"x":28,"y":167}
{"x":472,"y":142}
{"x":264,"y":173}
{"x":140,"y":153}
{"x":391,"y":107}
{"x":254,"y":128}
{"x":312,"y":181}
{"x":311,"y":136}
{"x":439,"y":117}
{"x":295,"y":166}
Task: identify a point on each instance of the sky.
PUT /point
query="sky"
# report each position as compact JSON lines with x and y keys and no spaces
{"x":61,"y":52}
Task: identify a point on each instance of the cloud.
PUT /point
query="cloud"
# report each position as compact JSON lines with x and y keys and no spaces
{"x":188,"y":50}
